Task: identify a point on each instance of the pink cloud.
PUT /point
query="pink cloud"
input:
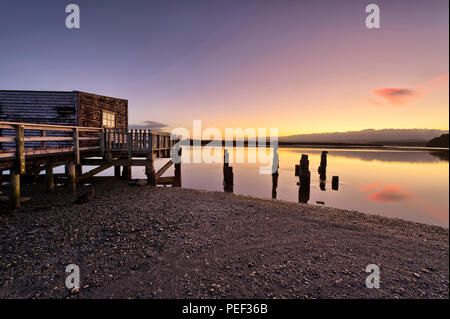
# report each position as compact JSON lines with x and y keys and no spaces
{"x":396,"y":96}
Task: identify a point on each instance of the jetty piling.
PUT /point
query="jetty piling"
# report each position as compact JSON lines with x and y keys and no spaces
{"x":335,"y":183}
{"x":275,"y":174}
{"x":323,"y":170}
{"x":228,"y":177}
{"x":302,"y":171}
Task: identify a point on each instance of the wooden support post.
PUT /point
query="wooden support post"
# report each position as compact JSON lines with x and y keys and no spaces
{"x":323,"y":169}
{"x":72,"y":178}
{"x":227,"y":173}
{"x":78,"y":170}
{"x":49,"y":178}
{"x":304,"y":174}
{"x":335,"y":183}
{"x":116,"y":171}
{"x":177,"y":180}
{"x":130,"y":144}
{"x":177,"y":165}
{"x":150,"y":170}
{"x":43,"y":143}
{"x":126,"y":172}
{"x":14,"y":184}
{"x":20,"y":149}
{"x":275,"y":174}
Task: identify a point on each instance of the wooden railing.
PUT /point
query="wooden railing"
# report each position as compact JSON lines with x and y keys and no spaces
{"x":137,"y":140}
{"x":20,"y":140}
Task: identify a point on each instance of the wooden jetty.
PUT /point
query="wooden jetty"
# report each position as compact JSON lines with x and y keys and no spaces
{"x":89,"y":146}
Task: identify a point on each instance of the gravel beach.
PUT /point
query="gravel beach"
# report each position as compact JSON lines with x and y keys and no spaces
{"x":148,"y":242}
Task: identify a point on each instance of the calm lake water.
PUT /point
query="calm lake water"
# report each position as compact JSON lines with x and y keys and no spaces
{"x":411,"y":185}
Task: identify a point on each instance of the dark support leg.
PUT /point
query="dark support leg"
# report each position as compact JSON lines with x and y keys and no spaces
{"x":71,"y":175}
{"x":78,"y":170}
{"x":150,"y":171}
{"x":49,"y":178}
{"x":117,"y":171}
{"x":177,"y":182}
{"x":14,"y":195}
{"x":126,"y":173}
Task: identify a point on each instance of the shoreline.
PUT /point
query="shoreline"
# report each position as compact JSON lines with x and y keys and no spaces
{"x":152,"y":242}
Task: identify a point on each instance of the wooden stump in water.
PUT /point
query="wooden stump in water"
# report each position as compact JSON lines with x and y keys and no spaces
{"x":227,"y":174}
{"x":335,"y":183}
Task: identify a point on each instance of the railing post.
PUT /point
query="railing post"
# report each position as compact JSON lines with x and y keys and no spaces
{"x":76,"y":145}
{"x":44,"y":143}
{"x":20,"y":149}
{"x":102,"y":142}
{"x":130,"y":144}
{"x":150,"y":137}
{"x":108,"y":144}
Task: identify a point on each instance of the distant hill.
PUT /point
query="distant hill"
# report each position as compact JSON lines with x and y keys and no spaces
{"x":411,"y":137}
{"x":441,"y":141}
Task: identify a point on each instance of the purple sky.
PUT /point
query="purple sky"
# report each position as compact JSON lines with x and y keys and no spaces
{"x":300,"y":66}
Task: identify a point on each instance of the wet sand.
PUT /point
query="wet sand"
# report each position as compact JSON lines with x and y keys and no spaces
{"x":147,"y":242}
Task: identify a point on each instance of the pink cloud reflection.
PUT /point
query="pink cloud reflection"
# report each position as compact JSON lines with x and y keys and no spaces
{"x":391,"y":193}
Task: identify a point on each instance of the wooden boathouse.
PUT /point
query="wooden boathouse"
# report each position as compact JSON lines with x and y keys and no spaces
{"x":40,"y":130}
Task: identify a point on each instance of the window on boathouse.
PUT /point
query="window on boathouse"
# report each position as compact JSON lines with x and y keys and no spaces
{"x":109,"y":119}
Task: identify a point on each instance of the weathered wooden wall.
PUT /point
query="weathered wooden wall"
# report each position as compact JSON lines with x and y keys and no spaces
{"x":40,"y":107}
{"x":90,"y":107}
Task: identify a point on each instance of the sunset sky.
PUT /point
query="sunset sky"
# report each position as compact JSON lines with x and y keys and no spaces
{"x":299,"y":66}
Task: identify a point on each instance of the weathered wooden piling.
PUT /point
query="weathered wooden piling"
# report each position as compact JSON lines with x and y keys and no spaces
{"x":177,"y":179}
{"x":322,"y":170}
{"x":71,"y":177}
{"x":275,"y":174}
{"x":335,"y":183}
{"x":14,"y":195}
{"x":49,"y":178}
{"x":228,"y":178}
{"x":126,"y":172}
{"x":323,"y":166}
{"x":150,"y":171}
{"x":302,"y":171}
{"x":117,"y":171}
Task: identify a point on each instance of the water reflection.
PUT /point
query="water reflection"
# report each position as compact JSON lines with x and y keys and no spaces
{"x":383,"y":155}
{"x":390,"y":193}
{"x":364,"y":183}
{"x":442,"y":155}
